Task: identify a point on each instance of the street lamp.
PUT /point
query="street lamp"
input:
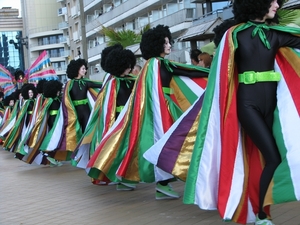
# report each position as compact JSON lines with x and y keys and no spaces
{"x":19,"y":45}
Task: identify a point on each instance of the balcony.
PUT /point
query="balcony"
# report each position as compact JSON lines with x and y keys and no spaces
{"x":62,"y":11}
{"x":95,"y":52}
{"x":63,"y":25}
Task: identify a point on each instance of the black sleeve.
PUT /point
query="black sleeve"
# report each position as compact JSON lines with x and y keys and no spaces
{"x":92,"y":84}
{"x":178,"y":71}
{"x":288,"y":40}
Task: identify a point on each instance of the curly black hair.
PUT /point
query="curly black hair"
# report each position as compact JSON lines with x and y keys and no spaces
{"x":40,"y":85}
{"x":106,"y":51}
{"x":51,"y":88}
{"x":25,"y":88}
{"x":194,"y":54}
{"x":221,"y":29}
{"x":118,"y":61}
{"x":74,"y":66}
{"x":7,"y":99}
{"x":1,"y":94}
{"x":19,"y":73}
{"x":153,"y":40}
{"x":245,"y":10}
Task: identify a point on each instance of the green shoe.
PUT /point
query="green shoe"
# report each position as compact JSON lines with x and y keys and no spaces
{"x":54,"y":162}
{"x":167,"y":190}
{"x":161,"y":196}
{"x":263,"y":222}
{"x":125,"y":187}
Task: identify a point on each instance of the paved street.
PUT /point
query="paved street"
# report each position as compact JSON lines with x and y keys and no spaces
{"x":42,"y":195}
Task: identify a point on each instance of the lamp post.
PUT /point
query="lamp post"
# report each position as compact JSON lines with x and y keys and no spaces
{"x":19,"y":45}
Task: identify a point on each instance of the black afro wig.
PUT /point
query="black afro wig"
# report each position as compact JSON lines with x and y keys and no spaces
{"x":40,"y":86}
{"x":7,"y":99}
{"x":106,"y":51}
{"x":221,"y":29}
{"x":119,"y":60}
{"x":74,"y":66}
{"x":25,"y":88}
{"x":1,"y":94}
{"x":19,"y":74}
{"x":51,"y":88}
{"x":153,"y":40}
{"x":245,"y":10}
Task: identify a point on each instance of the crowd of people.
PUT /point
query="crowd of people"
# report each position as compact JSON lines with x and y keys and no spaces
{"x":222,"y":124}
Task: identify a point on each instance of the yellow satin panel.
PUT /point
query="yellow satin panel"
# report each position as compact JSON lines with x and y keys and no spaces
{"x":71,"y":142}
{"x":180,"y":97}
{"x":36,"y":147}
{"x":183,"y":161}
{"x":231,"y":75}
{"x":35,"y":134}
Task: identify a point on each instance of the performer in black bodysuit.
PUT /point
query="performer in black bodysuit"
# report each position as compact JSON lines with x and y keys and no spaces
{"x":78,"y":92}
{"x":256,"y":101}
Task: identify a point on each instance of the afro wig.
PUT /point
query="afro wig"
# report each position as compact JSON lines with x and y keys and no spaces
{"x":119,"y":60}
{"x":8,"y":98}
{"x":19,"y":75}
{"x":40,"y":85}
{"x":245,"y":10}
{"x":1,"y":94}
{"x":221,"y":29}
{"x":51,"y":88}
{"x":153,"y":40}
{"x":74,"y":66}
{"x":106,"y":51}
{"x":25,"y":88}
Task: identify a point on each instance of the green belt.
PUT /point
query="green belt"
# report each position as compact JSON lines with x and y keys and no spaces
{"x":119,"y":108}
{"x":251,"y":77}
{"x":29,"y":112}
{"x":80,"y":102}
{"x":167,"y":90}
{"x":53,"y":112}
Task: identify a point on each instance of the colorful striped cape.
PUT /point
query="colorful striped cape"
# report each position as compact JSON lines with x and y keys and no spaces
{"x":14,"y":134}
{"x":72,"y":132}
{"x":101,"y":119}
{"x":147,"y":115}
{"x":225,"y":167}
{"x":22,"y":147}
{"x":43,"y":139}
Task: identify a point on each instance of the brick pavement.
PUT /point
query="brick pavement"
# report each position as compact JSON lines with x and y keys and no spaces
{"x":42,"y":195}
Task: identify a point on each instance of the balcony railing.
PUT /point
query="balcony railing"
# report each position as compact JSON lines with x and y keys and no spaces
{"x":63,"y":25}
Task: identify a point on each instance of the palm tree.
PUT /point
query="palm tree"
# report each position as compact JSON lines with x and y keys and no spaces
{"x":123,"y":37}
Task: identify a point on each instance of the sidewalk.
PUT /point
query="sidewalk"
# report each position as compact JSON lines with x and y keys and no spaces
{"x":42,"y":195}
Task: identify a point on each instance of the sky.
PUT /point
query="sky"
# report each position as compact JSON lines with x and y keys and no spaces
{"x":16,"y":4}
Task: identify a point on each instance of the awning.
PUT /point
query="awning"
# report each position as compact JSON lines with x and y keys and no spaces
{"x":202,"y":31}
{"x":291,"y":4}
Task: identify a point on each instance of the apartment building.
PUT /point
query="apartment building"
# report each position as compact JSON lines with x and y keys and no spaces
{"x":41,"y":19}
{"x":82,"y":21}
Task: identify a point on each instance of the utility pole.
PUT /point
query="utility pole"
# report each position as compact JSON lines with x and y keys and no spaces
{"x":83,"y":33}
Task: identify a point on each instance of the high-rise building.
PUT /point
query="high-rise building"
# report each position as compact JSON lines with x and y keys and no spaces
{"x":12,"y":44}
{"x":41,"y":20}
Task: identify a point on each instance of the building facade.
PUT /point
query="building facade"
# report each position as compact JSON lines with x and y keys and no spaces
{"x":12,"y":44}
{"x":41,"y":20}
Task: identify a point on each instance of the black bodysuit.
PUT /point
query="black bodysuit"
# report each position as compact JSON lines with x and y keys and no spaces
{"x":256,"y":102}
{"x":124,"y":93}
{"x":79,"y":92}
